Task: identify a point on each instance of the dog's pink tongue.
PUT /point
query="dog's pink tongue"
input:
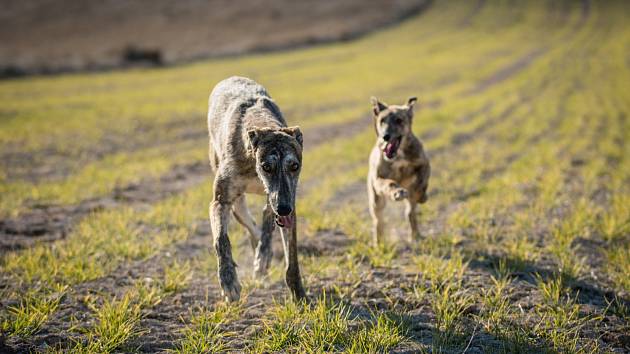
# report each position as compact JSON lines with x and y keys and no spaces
{"x":389,"y":148}
{"x":287,"y":221}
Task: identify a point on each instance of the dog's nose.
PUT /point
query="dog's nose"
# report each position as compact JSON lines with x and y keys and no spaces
{"x":386,"y":137}
{"x":284,"y":210}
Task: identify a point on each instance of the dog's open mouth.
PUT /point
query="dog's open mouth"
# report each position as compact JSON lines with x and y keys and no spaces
{"x":285,"y":221}
{"x":391,"y":148}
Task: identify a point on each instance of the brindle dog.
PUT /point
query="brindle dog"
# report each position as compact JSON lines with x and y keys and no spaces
{"x":399,"y":168}
{"x":252,"y":150}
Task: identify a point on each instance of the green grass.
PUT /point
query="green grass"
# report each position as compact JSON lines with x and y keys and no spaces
{"x":116,"y":320}
{"x":204,"y":333}
{"x":26,"y":318}
{"x":379,"y":336}
{"x":614,"y":223}
{"x":177,"y":276}
{"x":529,"y":176}
{"x":116,"y":323}
{"x":326,"y":326}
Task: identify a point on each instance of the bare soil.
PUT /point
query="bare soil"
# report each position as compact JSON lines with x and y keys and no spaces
{"x":44,"y":36}
{"x":46,"y":222}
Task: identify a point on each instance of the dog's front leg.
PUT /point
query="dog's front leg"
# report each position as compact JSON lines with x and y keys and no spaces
{"x":292,"y":278}
{"x":228,"y":279}
{"x":264,"y":253}
{"x":391,"y":188}
{"x":243,"y":216}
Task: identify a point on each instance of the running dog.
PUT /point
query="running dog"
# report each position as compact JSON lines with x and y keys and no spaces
{"x":399,"y":168}
{"x":252,"y":151}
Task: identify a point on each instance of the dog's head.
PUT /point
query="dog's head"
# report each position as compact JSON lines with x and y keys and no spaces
{"x":392,"y":125}
{"x":278,"y":163}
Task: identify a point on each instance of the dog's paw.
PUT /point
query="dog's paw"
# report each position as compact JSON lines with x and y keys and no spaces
{"x":299,"y":294}
{"x":230,"y":286}
{"x":399,"y":194}
{"x":232,"y":292}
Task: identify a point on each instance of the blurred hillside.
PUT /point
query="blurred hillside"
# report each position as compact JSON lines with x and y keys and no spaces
{"x":46,"y":36}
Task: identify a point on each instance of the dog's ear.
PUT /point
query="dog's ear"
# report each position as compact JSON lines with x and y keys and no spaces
{"x":410,"y":103}
{"x":296,"y":133}
{"x":256,"y":135}
{"x":254,"y":138}
{"x":377,"y":106}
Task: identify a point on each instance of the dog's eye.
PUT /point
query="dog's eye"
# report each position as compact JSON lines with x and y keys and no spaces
{"x":399,"y":120}
{"x":295,"y":166}
{"x":266,"y":167}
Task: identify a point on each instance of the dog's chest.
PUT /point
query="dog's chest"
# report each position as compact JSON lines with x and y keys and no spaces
{"x":400,"y":165}
{"x":400,"y":170}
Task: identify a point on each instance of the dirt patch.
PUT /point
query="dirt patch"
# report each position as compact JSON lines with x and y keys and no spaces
{"x":52,"y":222}
{"x":45,"y":223}
{"x":41,"y":37}
{"x":324,"y":243}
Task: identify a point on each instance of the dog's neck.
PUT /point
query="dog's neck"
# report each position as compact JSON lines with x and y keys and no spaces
{"x":262,"y":118}
{"x":404,"y":143}
{"x":407,"y":138}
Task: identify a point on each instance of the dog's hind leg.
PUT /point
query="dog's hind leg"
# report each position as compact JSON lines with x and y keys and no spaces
{"x":292,"y":277}
{"x":410,"y":211}
{"x":376,"y":205}
{"x":244,"y":217}
{"x":262,"y":258}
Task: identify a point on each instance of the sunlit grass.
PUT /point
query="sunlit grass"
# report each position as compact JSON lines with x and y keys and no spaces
{"x":618,"y":264}
{"x":529,"y":176}
{"x":325,"y":326}
{"x":560,"y":318}
{"x":205,"y":334}
{"x":177,"y":276}
{"x":27,"y":317}
{"x":614,"y":223}
{"x":116,"y":323}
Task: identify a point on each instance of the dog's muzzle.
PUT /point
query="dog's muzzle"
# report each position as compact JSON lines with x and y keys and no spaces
{"x":391,"y":147}
{"x":286,"y":221}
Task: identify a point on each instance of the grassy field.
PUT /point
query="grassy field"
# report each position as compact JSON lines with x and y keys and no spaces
{"x":524,"y":114}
